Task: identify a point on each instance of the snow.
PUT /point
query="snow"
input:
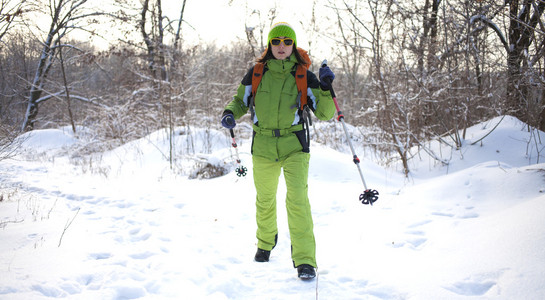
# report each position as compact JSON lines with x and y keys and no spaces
{"x":124,"y":224}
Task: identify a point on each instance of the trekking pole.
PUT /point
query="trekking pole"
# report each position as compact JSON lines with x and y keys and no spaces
{"x":241,"y":170}
{"x":368,"y":196}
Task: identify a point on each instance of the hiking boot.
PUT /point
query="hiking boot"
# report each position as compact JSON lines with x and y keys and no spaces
{"x":306,"y":272}
{"x":262,"y":255}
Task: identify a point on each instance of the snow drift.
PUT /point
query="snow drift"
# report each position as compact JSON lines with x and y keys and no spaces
{"x":140,"y":229}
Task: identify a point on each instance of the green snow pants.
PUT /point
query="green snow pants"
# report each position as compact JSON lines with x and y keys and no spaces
{"x":266,"y":176}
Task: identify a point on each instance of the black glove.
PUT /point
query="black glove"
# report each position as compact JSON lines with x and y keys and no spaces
{"x":326,"y":78}
{"x":228,"y":120}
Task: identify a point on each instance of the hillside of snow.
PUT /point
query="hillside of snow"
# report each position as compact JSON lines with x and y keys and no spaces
{"x":130,"y":223}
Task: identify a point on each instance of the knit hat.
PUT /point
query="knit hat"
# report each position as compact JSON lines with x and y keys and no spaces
{"x":282,"y":29}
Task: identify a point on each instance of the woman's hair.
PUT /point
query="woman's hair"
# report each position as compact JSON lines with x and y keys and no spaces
{"x":269,"y":55}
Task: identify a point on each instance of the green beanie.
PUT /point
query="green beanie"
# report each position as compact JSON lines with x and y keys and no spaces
{"x":282,"y":29}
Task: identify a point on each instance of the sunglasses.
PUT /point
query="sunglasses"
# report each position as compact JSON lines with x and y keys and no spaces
{"x":277,"y":41}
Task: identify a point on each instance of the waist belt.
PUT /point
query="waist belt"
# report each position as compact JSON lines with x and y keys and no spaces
{"x":277,"y":132}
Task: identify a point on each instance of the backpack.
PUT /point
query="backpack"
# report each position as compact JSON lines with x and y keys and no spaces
{"x":300,"y":78}
{"x":301,"y":82}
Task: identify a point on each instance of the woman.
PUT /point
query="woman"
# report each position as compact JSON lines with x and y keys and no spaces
{"x":280,"y":142}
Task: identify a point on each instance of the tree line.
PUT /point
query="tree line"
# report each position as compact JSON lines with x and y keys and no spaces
{"x":407,"y":71}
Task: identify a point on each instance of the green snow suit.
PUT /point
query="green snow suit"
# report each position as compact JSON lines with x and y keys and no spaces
{"x":280,"y":142}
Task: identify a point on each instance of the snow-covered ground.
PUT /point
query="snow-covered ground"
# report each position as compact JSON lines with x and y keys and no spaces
{"x":122,"y":225}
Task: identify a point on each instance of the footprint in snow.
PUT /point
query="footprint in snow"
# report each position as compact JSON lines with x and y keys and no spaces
{"x":469,"y":215}
{"x":418,"y":224}
{"x":136,"y":236}
{"x":412,"y":241}
{"x":471,"y":288}
{"x":442,"y":214}
{"x":100,"y":255}
{"x":416,"y":241}
{"x":344,"y":279}
{"x":413,"y":238}
{"x":142,"y":255}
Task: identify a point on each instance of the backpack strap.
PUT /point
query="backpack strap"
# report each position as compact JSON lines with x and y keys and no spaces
{"x":301,"y":82}
{"x":302,"y":86}
{"x":257,"y":76}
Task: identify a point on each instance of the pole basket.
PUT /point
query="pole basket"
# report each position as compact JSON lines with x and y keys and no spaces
{"x":241,"y":171}
{"x":369,"y":197}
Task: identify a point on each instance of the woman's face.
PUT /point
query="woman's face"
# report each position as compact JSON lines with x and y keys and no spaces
{"x":281,"y":51}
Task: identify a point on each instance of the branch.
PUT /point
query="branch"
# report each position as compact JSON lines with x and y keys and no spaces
{"x":494,"y":128}
{"x":68,"y":223}
{"x":179,"y":29}
{"x":67,"y":46}
{"x":492,"y":25}
{"x":62,"y":93}
{"x":3,"y":224}
{"x":8,"y":16}
{"x":430,"y":152}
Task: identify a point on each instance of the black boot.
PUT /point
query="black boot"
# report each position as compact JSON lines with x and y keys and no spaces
{"x":262,"y":255}
{"x":306,"y":272}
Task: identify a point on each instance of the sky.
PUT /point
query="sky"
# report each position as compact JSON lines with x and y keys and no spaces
{"x":222,"y":21}
{"x":216,"y":20}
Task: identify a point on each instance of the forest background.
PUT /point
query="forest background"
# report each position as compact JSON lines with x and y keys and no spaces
{"x":407,"y":72}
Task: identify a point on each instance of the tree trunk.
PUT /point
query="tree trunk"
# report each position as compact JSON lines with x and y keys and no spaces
{"x":41,"y":72}
{"x":522,"y":27}
{"x":154,"y":42}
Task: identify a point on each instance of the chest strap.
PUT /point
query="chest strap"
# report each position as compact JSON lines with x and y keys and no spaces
{"x":277,"y":132}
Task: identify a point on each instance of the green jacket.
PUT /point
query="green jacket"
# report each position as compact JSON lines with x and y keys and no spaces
{"x":278,"y":122}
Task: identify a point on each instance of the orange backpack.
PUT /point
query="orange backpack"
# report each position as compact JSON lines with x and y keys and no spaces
{"x":300,"y":77}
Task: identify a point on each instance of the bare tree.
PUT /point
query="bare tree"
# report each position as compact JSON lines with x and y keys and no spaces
{"x":67,"y":92}
{"x":392,"y":109}
{"x":154,"y":38}
{"x":524,"y":46}
{"x":66,"y":16}
{"x":351,"y":54}
{"x":178,"y":36}
{"x":10,"y":141}
{"x":10,"y":11}
{"x":255,"y":26}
